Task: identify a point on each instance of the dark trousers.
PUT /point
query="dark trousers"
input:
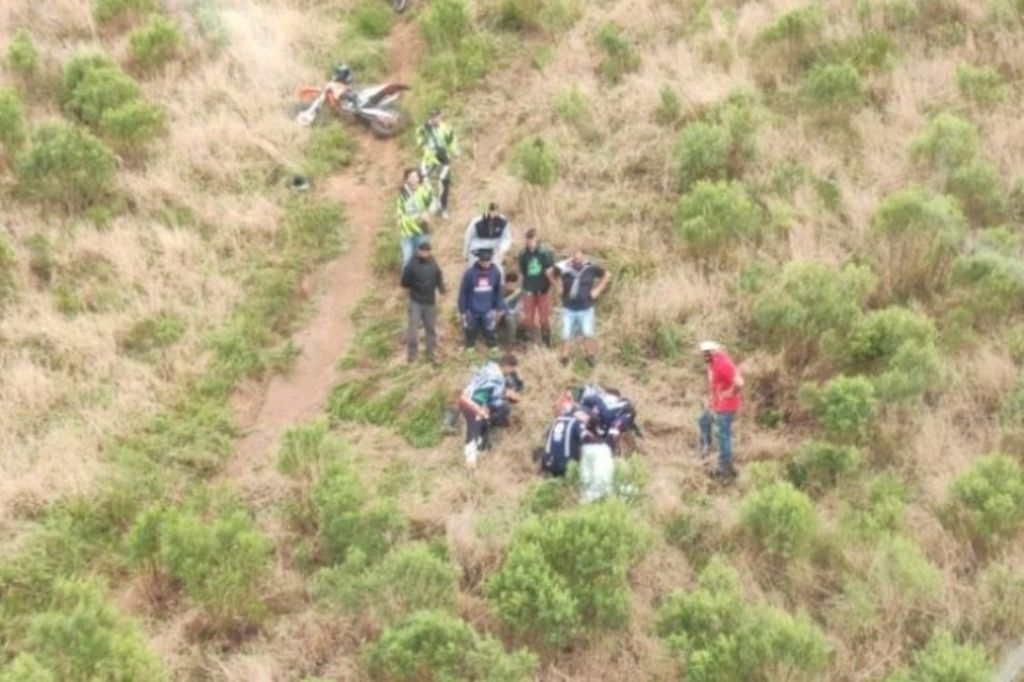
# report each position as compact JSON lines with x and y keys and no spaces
{"x":421,"y":313}
{"x":477,"y":428}
{"x":486,"y":323}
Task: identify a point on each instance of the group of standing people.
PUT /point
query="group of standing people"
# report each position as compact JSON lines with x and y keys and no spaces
{"x":491,"y":293}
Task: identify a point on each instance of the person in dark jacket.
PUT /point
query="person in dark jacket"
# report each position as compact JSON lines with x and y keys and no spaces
{"x":534,"y":262}
{"x":481,"y":301}
{"x":564,"y":441}
{"x":423,"y":278}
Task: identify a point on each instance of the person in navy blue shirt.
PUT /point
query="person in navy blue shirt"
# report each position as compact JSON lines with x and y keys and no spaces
{"x":564,"y":441}
{"x":481,"y":301}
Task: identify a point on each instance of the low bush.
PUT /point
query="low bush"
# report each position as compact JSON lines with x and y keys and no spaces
{"x":151,"y":333}
{"x":65,"y":165}
{"x":870,"y":53}
{"x":810,"y":307}
{"x":22,"y":55}
{"x":670,"y":106}
{"x":791,"y":39}
{"x":986,"y":502}
{"x":567,"y":571}
{"x":101,"y":89}
{"x":110,"y":11}
{"x":26,"y":668}
{"x":780,"y":519}
{"x":619,"y":56}
{"x":445,"y":24}
{"x":946,"y":144}
{"x":992,"y":276}
{"x":549,"y":16}
{"x":696,"y":531}
{"x":978,"y":187}
{"x":572,"y":106}
{"x":901,"y":14}
{"x":156,"y":43}
{"x":819,"y":466}
{"x":313,"y":226}
{"x":8,"y":272}
{"x":846,"y":408}
{"x":307,"y":449}
{"x":982,"y":85}
{"x":82,"y":637}
{"x":372,"y":20}
{"x":328,"y":149}
{"x":920,"y":234}
{"x":220,"y":559}
{"x":349,"y":520}
{"x":717,"y":635}
{"x":880,"y":335}
{"x":410,"y":578}
{"x":714,"y":217}
{"x":535,"y":161}
{"x":943,"y":659}
{"x":438,"y":646}
{"x":703,"y":150}
{"x":833,"y":89}
{"x":133,"y":125}
{"x":998,"y":609}
{"x":879,"y":510}
{"x":12,"y":123}
{"x":902,"y":578}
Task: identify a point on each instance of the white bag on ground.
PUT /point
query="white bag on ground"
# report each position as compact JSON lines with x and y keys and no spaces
{"x":597,"y":472}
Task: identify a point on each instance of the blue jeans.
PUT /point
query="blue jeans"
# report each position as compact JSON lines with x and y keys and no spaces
{"x":578,"y":323}
{"x":408,"y":246}
{"x":724,"y":419}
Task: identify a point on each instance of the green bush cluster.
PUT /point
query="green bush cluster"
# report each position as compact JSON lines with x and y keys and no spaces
{"x":102,"y":96}
{"x":8,"y":272}
{"x":878,"y":510}
{"x":549,"y":16}
{"x":670,"y":106}
{"x":219,"y":557}
{"x":870,"y":52}
{"x":978,"y":188}
{"x":999,"y":605}
{"x":780,"y":519}
{"x":810,"y":307}
{"x":986,"y":502}
{"x":619,"y":56}
{"x":982,"y":85}
{"x":535,"y":161}
{"x":81,"y":637}
{"x":12,"y":123}
{"x":899,"y":345}
{"x":410,"y":578}
{"x":792,"y":39}
{"x":992,"y":275}
{"x":312,"y":225}
{"x":721,"y":146}
{"x":567,"y":571}
{"x":151,"y":333}
{"x":459,"y":53}
{"x":833,"y":89}
{"x":947,"y":143}
{"x":943,"y":659}
{"x":572,"y":106}
{"x":155,"y":44}
{"x":920,"y":234}
{"x":714,"y":217}
{"x":819,"y":466}
{"x":437,"y":646}
{"x":110,"y":11}
{"x":328,"y":149}
{"x":65,"y":165}
{"x":22,"y":54}
{"x":845,"y":407}
{"x":718,"y":635}
{"x":372,"y":20}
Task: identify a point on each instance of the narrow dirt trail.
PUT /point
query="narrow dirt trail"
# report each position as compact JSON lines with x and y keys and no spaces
{"x":265,"y":411}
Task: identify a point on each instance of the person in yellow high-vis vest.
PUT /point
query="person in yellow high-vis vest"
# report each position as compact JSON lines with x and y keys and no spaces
{"x":437,"y":141}
{"x":413,"y":207}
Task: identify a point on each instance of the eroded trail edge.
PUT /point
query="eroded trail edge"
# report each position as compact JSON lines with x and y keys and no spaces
{"x":265,"y":411}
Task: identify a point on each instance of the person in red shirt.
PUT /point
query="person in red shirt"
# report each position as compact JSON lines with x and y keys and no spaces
{"x":724,"y":383}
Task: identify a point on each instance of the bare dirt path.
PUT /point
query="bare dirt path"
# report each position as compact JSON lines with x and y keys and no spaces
{"x":264,"y":412}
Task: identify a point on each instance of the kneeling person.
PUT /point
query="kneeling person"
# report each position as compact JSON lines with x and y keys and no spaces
{"x":564,"y":442}
{"x":486,"y":402}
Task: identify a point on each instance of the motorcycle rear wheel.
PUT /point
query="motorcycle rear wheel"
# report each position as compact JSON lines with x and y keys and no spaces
{"x":399,"y":5}
{"x":386,"y":129}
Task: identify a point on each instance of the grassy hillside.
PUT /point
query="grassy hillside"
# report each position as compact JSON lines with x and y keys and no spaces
{"x":832,"y":189}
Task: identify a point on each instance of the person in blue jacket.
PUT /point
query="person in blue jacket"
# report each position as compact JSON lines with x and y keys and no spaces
{"x":481,"y":301}
{"x":564,"y":441}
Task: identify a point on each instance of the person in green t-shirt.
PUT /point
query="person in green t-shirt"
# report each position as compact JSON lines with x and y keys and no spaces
{"x":534,"y":263}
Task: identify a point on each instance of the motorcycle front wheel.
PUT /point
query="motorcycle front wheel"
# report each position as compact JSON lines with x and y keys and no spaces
{"x":399,"y":5}
{"x":388,"y":127}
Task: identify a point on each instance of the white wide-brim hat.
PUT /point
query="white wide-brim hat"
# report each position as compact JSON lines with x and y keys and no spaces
{"x":709,"y":346}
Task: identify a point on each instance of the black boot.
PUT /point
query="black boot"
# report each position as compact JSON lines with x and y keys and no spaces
{"x":545,"y":337}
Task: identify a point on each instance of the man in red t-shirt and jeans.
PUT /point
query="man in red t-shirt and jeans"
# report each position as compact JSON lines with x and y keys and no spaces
{"x":724,"y":382}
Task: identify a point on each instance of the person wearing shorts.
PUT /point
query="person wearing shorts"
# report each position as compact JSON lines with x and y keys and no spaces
{"x":583,"y":282}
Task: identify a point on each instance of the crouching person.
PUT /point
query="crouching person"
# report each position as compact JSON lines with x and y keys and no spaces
{"x":486,"y":402}
{"x":564,"y":442}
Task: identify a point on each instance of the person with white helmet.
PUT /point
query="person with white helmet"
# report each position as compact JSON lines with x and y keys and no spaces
{"x":724,"y":400}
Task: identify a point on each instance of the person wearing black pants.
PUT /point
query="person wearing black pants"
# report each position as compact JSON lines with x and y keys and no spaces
{"x":423,"y":278}
{"x":481,"y":301}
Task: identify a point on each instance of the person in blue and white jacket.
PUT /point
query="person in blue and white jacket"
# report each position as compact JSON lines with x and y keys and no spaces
{"x":487,"y":401}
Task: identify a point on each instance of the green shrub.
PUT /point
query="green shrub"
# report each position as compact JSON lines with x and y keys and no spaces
{"x":8,"y":272}
{"x":12,"y":122}
{"x":619,"y":56}
{"x":108,"y":11}
{"x":328,"y":149}
{"x":437,"y":646}
{"x":870,"y":53}
{"x":703,"y":150}
{"x":550,"y":16}
{"x":697,"y":532}
{"x":986,"y":502}
{"x":670,"y":106}
{"x":901,"y":14}
{"x":978,"y":188}
{"x":881,"y":334}
{"x":535,"y":161}
{"x":880,"y":511}
{"x":100,"y":89}
{"x":846,"y":408}
{"x":25,"y":668}
{"x":313,"y":226}
{"x":22,"y":54}
{"x":41,"y":261}
{"x":780,"y":519}
{"x":221,"y":560}
{"x":943,"y":660}
{"x":133,"y":125}
{"x":792,"y":39}
{"x":445,"y":24}
{"x":567,"y":571}
{"x":349,"y":520}
{"x":810,"y":307}
{"x":833,"y":88}
{"x":946,"y":144}
{"x":999,"y":605}
{"x":981,"y":85}
{"x":81,"y":637}
{"x":572,"y":106}
{"x":152,"y":333}
{"x":372,"y":20}
{"x":920,"y":236}
{"x":209,"y":20}
{"x":65,"y":165}
{"x":410,"y":578}
{"x":902,"y":573}
{"x":740,"y":114}
{"x":819,"y":466}
{"x":718,"y":636}
{"x":714,"y":216}
{"x":156,"y":43}
{"x":992,"y":275}
{"x":307,"y":449}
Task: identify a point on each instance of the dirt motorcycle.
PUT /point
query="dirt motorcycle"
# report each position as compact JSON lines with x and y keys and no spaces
{"x":375,"y":107}
{"x":399,"y":5}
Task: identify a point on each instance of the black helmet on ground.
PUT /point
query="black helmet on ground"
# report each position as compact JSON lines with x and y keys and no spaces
{"x":342,"y":74}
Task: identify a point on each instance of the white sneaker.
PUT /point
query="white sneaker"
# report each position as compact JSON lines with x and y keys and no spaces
{"x":471,"y":452}
{"x":444,"y":215}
